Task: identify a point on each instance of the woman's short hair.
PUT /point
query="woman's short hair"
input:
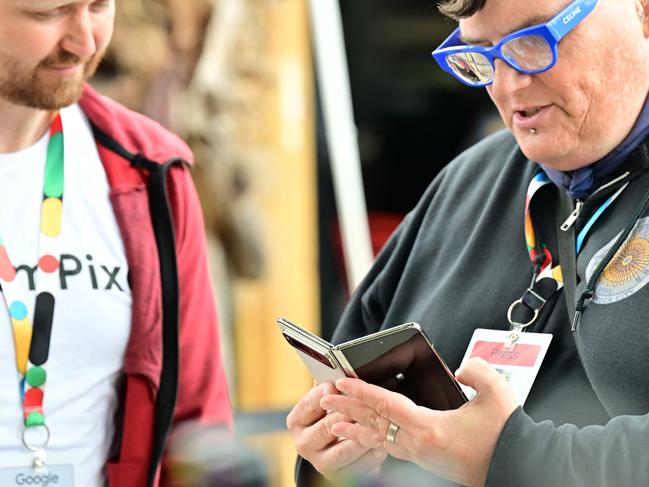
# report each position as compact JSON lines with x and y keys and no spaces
{"x":457,"y":9}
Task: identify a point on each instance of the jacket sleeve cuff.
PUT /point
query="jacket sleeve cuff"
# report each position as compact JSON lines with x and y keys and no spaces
{"x":523,"y":447}
{"x":307,"y":476}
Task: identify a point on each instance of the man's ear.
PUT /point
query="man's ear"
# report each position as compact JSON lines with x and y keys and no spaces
{"x":642,"y":8}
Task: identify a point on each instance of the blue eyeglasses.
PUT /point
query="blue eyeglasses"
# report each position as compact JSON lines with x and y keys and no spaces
{"x":531,"y":50}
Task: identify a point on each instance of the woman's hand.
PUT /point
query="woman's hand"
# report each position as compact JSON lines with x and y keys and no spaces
{"x":311,"y":428}
{"x":456,"y":444}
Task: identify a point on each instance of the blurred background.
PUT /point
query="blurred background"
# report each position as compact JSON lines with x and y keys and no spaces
{"x":237,"y":79}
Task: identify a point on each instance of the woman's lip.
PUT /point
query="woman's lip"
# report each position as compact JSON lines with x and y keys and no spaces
{"x":535,"y":121}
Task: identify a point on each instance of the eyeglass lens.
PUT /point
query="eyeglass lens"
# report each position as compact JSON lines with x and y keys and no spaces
{"x":530,"y":53}
{"x":472,"y":67}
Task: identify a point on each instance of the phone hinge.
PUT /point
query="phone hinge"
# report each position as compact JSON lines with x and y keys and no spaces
{"x":342,"y":360}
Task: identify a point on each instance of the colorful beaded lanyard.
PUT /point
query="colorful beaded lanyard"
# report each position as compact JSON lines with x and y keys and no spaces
{"x":32,"y":338}
{"x":547,"y":278}
{"x":547,"y":269}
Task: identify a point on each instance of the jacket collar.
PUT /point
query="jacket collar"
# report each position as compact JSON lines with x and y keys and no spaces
{"x":135,"y":132}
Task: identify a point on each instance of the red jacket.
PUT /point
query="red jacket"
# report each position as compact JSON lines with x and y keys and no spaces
{"x":172,"y":366}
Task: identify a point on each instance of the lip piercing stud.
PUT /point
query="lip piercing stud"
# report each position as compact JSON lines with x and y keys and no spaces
{"x":533,"y":131}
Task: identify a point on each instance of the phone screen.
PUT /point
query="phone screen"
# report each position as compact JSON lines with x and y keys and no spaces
{"x":405,"y":362}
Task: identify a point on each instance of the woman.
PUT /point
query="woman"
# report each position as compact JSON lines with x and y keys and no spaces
{"x":543,"y":228}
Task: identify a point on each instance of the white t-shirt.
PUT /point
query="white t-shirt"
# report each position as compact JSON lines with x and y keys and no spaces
{"x":92,"y":317}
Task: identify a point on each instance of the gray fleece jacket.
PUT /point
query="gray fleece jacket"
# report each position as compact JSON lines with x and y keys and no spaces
{"x":459,"y":260}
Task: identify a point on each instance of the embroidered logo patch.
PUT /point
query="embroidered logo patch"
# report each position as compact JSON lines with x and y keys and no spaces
{"x":628,"y":270}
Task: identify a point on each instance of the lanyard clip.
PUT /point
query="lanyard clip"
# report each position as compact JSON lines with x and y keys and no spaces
{"x":36,"y":438}
{"x":524,"y":302}
{"x":512,"y":338}
{"x":39,"y":463}
{"x":531,"y":301}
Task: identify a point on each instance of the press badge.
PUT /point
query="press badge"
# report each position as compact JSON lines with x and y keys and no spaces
{"x":59,"y":471}
{"x":518,"y":363}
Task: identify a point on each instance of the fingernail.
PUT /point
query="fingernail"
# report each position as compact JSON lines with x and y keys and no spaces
{"x":326,"y":388}
{"x":341,"y":386}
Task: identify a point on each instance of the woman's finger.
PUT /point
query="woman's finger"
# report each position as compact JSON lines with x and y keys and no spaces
{"x":365,"y":435}
{"x":319,"y":435}
{"x":368,"y":462}
{"x":308,"y":410}
{"x":353,"y":408}
{"x":395,"y":407}
{"x":340,"y":455}
{"x":479,"y":374}
{"x":402,"y":447}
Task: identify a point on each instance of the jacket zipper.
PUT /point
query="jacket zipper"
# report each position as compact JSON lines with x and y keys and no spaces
{"x":579,"y":204}
{"x":589,"y":292}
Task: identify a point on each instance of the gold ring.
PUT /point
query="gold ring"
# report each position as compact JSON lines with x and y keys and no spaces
{"x":392,"y":432}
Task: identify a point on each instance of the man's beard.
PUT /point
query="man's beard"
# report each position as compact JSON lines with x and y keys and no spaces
{"x":36,"y":88}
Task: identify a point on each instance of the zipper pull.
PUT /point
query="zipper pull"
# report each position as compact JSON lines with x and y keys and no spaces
{"x":573,"y":217}
{"x":575,"y":321}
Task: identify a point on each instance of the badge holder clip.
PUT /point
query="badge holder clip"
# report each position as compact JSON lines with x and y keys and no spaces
{"x":37,"y":446}
{"x":530,"y":300}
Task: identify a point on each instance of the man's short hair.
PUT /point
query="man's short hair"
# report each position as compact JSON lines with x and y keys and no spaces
{"x":457,"y":9}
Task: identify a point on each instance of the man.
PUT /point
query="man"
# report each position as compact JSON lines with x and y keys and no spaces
{"x":569,"y":179}
{"x":108,"y":331}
